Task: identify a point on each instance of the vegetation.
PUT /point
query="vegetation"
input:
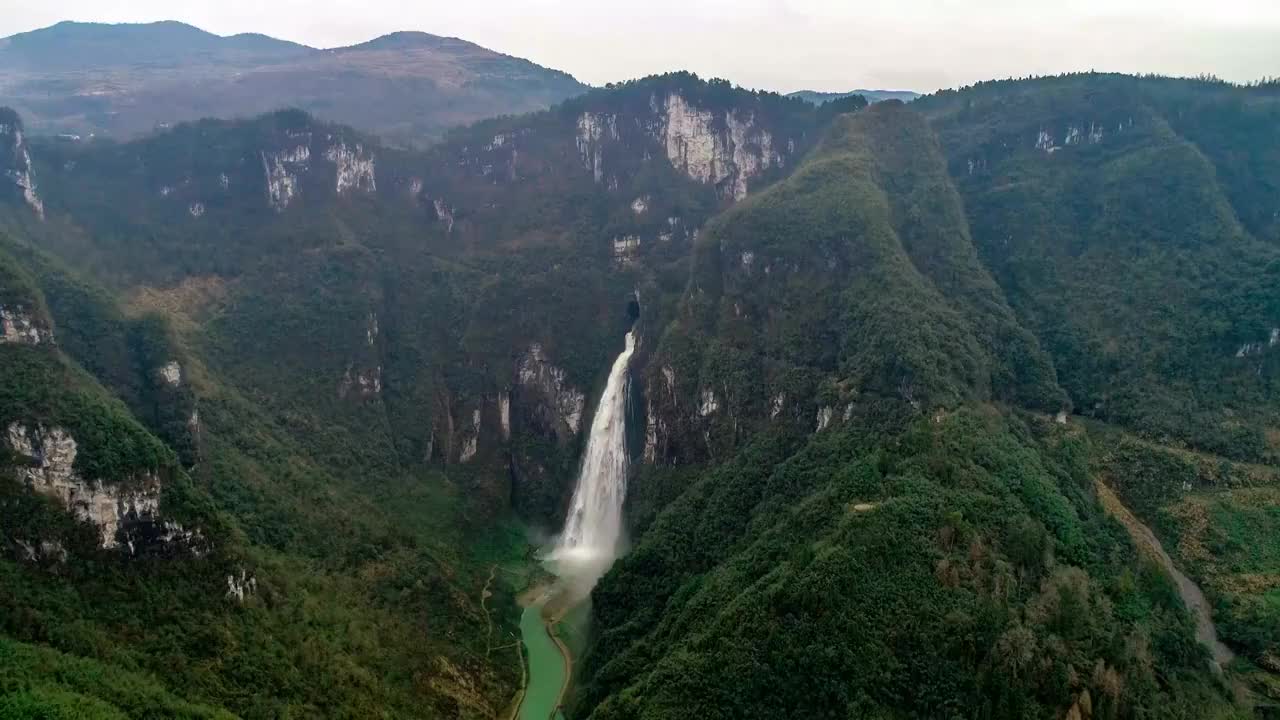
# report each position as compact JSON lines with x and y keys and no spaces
{"x":957,"y":568}
{"x":1142,"y":252}
{"x":1217,"y":519}
{"x":357,"y":608}
{"x":857,"y":506}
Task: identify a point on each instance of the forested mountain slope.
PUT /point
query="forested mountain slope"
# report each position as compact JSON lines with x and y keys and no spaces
{"x":1136,"y":240}
{"x":863,"y":333}
{"x":167,"y":539}
{"x":921,"y":554}
{"x":351,"y":332}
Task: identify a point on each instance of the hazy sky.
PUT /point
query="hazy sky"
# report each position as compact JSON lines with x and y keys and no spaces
{"x":777,"y":44}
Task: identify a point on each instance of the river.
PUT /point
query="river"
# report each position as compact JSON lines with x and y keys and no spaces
{"x":548,"y":668}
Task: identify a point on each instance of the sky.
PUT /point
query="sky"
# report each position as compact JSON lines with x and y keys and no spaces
{"x":781,"y":45}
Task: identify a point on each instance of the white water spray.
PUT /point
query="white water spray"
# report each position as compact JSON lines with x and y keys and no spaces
{"x":589,"y":542}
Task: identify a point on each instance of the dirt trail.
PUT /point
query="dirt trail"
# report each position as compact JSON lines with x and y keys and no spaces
{"x":1149,"y":545}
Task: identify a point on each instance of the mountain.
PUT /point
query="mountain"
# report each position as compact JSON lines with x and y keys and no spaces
{"x":121,"y":81}
{"x":899,"y":370}
{"x":818,"y":98}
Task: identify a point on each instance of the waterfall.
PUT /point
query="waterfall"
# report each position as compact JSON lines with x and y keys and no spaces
{"x":589,"y":542}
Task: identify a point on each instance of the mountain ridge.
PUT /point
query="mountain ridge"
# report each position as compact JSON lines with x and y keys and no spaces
{"x":125,"y":80}
{"x":818,"y":97}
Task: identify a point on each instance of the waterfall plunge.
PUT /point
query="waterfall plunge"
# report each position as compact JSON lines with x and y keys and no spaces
{"x":589,"y":542}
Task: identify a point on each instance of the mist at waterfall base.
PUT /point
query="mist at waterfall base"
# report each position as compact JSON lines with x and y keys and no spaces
{"x":592,"y":535}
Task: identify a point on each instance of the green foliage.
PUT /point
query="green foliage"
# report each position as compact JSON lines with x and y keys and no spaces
{"x":38,"y":389}
{"x":933,"y":552}
{"x":1142,"y":253}
{"x":858,"y":271}
{"x":359,"y":607}
{"x":44,"y":684}
{"x":952,"y":569}
{"x":1219,"y":522}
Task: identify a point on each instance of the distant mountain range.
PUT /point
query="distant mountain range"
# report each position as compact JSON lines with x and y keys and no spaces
{"x":875,"y":96}
{"x":124,"y":80}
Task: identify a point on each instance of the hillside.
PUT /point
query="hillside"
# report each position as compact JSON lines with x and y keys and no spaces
{"x":866,"y":489}
{"x":122,"y":81}
{"x":168,"y":548}
{"x":885,"y":357}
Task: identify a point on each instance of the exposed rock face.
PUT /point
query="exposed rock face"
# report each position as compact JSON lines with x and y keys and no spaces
{"x":18,"y":326}
{"x":504,"y":414}
{"x":444,"y":214}
{"x":37,"y":551}
{"x":1047,"y":142}
{"x":42,"y":551}
{"x":364,"y":382}
{"x":727,"y":155}
{"x":1256,"y":348}
{"x":824,"y":417}
{"x":16,"y":161}
{"x":241,"y":586}
{"x":355,"y":170}
{"x":170,"y":373}
{"x":563,"y":405}
{"x":282,"y":170}
{"x":593,"y":129}
{"x":708,"y":403}
{"x":625,"y":249}
{"x":1044,"y":141}
{"x":777,"y":404}
{"x":472,"y":442}
{"x":654,"y":427}
{"x":114,"y":509}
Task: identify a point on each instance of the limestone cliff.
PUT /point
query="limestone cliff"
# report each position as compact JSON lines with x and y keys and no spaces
{"x":281,"y":168}
{"x":285,"y":168}
{"x":124,"y":510}
{"x":15,"y":160}
{"x":542,"y":386}
{"x":19,"y":325}
{"x":726,"y":148}
{"x":727,"y":151}
{"x":354,"y":168}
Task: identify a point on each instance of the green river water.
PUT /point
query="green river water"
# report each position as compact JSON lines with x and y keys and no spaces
{"x":546,"y":668}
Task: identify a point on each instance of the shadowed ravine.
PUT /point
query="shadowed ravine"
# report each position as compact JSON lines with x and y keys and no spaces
{"x":586,"y":548}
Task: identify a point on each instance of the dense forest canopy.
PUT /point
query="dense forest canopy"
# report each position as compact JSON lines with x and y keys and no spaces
{"x":287,"y":408}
